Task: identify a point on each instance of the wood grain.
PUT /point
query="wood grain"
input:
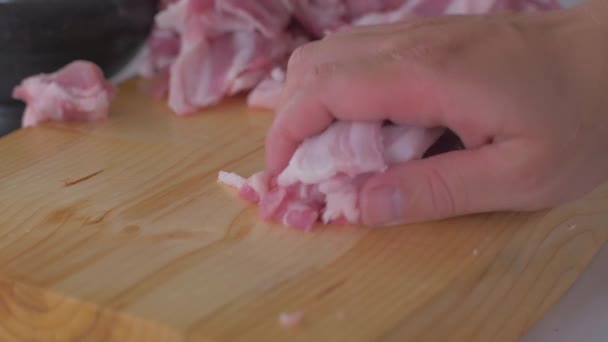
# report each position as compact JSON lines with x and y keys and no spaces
{"x":146,"y":245}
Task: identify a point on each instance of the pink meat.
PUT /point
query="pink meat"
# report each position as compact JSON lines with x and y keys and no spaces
{"x":424,"y":8}
{"x":324,"y":176}
{"x":270,"y":18}
{"x":256,"y":187}
{"x":290,"y":319}
{"x":226,"y":47}
{"x":163,"y":48}
{"x":207,"y":70}
{"x":164,"y":3}
{"x":216,"y":17}
{"x":322,"y":16}
{"x":78,"y":91}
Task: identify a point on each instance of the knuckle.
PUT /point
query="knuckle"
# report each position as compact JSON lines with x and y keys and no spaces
{"x":442,"y":197}
{"x":310,"y":71}
{"x":430,"y":46}
{"x":425,"y":54}
{"x":300,"y":56}
{"x":320,"y":72}
{"x":421,"y":52}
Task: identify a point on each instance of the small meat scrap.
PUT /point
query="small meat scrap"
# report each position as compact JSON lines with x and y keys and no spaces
{"x":325,"y":174}
{"x":290,"y":319}
{"x":231,"y":179}
{"x":78,"y":91}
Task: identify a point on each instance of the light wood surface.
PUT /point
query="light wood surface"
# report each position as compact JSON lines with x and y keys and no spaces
{"x":118,"y":231}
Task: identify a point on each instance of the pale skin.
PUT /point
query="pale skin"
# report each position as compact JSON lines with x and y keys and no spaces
{"x":527,"y":94}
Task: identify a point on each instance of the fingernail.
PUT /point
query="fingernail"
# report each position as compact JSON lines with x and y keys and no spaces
{"x":385,"y":206}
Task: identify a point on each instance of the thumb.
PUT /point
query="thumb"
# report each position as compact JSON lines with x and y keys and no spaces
{"x":450,"y":184}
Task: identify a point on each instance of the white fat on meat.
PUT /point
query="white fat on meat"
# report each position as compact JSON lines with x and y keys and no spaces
{"x":355,"y":148}
{"x":76,"y":92}
{"x":226,"y":47}
{"x":208,"y":70}
{"x":268,"y":17}
{"x":470,"y":6}
{"x":345,"y":147}
{"x":416,"y":8}
{"x":403,"y":143}
{"x":231,"y":179}
{"x":341,"y":196}
{"x":405,"y":11}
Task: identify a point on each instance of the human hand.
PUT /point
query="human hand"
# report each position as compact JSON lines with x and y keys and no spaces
{"x":525,"y":93}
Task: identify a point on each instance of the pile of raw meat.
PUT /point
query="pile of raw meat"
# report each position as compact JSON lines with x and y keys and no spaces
{"x":202,"y":51}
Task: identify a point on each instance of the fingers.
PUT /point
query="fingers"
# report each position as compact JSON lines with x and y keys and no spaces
{"x":451,"y":184}
{"x":360,"y":90}
{"x":329,"y":50}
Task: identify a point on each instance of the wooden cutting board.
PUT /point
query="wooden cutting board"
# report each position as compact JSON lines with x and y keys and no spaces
{"x":147,"y":246}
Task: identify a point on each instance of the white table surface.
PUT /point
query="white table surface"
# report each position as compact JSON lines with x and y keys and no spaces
{"x":582,"y":314}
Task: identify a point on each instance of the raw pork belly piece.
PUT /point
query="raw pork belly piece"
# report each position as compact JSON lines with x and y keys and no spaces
{"x":322,"y":16}
{"x":225,"y":47}
{"x":325,"y":174}
{"x":78,"y":91}
{"x":208,"y":70}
